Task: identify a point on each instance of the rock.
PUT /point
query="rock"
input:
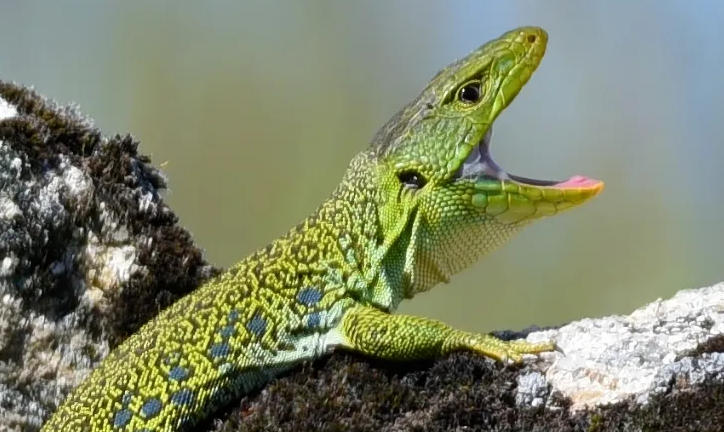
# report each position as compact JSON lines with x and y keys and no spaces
{"x":88,"y":250}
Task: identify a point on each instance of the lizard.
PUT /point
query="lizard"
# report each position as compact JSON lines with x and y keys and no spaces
{"x":424,"y":201}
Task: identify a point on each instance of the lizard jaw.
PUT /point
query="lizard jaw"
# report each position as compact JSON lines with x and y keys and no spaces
{"x":480,"y":163}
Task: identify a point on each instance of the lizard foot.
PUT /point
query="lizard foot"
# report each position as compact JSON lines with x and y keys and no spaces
{"x":505,"y":351}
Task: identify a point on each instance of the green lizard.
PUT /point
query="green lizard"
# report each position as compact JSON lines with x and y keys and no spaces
{"x":423,"y":202}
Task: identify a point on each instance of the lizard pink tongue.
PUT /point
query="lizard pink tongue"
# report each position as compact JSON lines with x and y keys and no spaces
{"x":579,"y":182}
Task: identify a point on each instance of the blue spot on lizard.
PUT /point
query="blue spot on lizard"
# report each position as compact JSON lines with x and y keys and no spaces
{"x":151,"y":408}
{"x":314,"y":319}
{"x":257,"y":325}
{"x":227,"y":331}
{"x":220,"y":350}
{"x":233,"y":315}
{"x":178,"y":373}
{"x":183,"y":397}
{"x":309,"y":296}
{"x":122,"y":418}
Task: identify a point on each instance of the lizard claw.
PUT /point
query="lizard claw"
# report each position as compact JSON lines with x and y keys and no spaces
{"x":508,"y":351}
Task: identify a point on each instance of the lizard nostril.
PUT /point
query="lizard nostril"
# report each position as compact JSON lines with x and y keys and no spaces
{"x":531,"y":38}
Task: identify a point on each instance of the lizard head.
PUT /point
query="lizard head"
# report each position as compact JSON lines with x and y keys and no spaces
{"x":444,"y":202}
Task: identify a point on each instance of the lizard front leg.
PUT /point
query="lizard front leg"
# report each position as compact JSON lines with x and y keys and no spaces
{"x":404,"y":337}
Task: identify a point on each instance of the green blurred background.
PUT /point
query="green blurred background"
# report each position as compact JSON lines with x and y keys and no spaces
{"x":258,"y":106}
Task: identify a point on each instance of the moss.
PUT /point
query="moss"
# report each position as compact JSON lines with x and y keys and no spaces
{"x":461,"y":392}
{"x":347,"y":392}
{"x":712,"y":345}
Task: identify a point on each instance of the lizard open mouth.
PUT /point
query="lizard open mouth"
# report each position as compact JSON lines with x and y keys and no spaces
{"x":480,"y":163}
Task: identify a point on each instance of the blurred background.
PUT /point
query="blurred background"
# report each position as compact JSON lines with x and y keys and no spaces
{"x":257,"y":106}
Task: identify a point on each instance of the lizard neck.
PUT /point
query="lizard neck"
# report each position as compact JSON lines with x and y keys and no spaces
{"x":338,"y":248}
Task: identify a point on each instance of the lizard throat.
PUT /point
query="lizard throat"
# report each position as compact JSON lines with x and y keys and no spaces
{"x":480,"y":164}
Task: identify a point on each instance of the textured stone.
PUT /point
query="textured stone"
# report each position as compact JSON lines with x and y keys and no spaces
{"x":84,"y":241}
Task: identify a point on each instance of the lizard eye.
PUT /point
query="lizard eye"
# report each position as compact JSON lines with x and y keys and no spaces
{"x":412,"y":179}
{"x":470,"y":92}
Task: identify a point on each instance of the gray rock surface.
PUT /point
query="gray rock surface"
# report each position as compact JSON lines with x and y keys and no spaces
{"x":89,"y":252}
{"x":610,"y":359}
{"x":84,"y":241}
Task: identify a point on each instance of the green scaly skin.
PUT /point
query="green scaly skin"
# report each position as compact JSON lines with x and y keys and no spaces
{"x":419,"y":205}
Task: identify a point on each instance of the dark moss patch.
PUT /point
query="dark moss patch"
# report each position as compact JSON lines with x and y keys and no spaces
{"x":349,"y":393}
{"x":696,"y":409}
{"x":462,"y":392}
{"x":712,"y":345}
